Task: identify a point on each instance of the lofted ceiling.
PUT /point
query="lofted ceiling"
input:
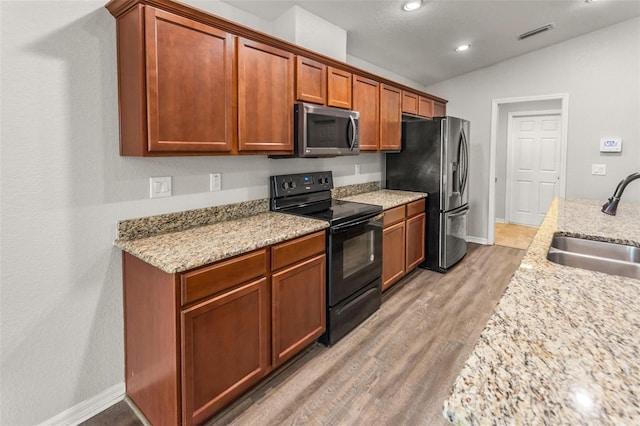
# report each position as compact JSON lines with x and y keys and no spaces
{"x":420,"y":45}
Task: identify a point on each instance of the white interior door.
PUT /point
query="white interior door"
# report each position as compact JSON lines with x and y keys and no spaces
{"x":534,"y":167}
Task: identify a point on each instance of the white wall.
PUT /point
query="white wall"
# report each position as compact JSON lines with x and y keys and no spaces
{"x":601,"y":73}
{"x":64,"y":187}
{"x":305,"y":29}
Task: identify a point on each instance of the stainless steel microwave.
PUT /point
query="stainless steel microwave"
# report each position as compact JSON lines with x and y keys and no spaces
{"x":324,"y":131}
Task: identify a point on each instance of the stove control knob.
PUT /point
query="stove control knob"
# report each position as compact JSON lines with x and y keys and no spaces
{"x":285,"y":185}
{"x":326,"y":180}
{"x":292,"y":184}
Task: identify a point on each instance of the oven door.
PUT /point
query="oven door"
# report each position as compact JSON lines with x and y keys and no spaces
{"x":355,"y":257}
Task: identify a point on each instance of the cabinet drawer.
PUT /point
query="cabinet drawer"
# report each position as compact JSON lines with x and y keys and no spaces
{"x":393,"y":215}
{"x":223,"y":275}
{"x":415,"y":208}
{"x":292,"y":251}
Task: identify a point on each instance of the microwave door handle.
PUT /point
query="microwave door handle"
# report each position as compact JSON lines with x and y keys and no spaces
{"x":353,"y":133}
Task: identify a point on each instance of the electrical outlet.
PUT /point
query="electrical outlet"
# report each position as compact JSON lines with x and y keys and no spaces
{"x":599,"y":169}
{"x":159,"y":187}
{"x":357,"y":169}
{"x":215,"y":182}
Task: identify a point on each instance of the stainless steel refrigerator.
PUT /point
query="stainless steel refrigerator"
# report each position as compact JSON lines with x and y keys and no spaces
{"x":435,"y":159}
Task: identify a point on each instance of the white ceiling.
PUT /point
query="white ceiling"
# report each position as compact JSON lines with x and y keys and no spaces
{"x":420,"y":45}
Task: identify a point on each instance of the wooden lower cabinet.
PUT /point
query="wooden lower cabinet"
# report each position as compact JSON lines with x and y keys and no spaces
{"x":225,"y":349}
{"x":393,"y":255}
{"x":415,"y":229}
{"x":196,"y":340}
{"x":402,"y":241}
{"x":298,"y":307}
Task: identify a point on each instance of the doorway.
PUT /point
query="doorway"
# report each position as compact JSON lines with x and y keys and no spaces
{"x":533,"y":165}
{"x":501,"y":198}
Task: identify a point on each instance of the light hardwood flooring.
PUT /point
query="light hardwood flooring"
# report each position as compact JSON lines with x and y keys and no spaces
{"x":516,"y":236}
{"x":397,"y":367}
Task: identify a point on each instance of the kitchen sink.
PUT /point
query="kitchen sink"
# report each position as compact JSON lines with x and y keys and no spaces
{"x":610,"y":258}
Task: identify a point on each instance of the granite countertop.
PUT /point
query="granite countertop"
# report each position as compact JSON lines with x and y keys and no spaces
{"x":186,"y":249}
{"x":176,"y":242}
{"x":387,"y":198}
{"x":562,"y":345}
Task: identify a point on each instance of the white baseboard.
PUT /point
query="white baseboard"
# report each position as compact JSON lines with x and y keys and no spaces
{"x":477,"y":240}
{"x":500,"y":220}
{"x":89,"y":408}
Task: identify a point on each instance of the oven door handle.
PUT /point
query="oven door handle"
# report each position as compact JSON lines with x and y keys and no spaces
{"x":354,"y":223}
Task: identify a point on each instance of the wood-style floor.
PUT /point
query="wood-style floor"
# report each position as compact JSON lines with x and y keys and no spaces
{"x":516,"y":236}
{"x":396,"y":368}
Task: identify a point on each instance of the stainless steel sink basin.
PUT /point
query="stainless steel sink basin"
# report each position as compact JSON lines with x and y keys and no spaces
{"x":610,"y":258}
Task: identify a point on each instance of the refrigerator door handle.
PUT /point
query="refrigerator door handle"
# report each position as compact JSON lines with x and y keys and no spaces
{"x":464,"y":161}
{"x":461,"y":212}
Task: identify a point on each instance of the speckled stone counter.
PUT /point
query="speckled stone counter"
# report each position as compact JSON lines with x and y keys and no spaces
{"x":563,"y":345}
{"x":182,"y":250}
{"x":387,"y":198}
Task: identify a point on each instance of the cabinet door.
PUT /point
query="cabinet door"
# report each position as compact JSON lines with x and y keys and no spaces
{"x":298,"y":307}
{"x":265,"y":98}
{"x":393,"y":254}
{"x":439,"y":109}
{"x":415,"y":241}
{"x":225,"y":349}
{"x":390,"y":118}
{"x":189,"y":74}
{"x":339,"y":88}
{"x":311,"y":81}
{"x":409,"y":102}
{"x":425,"y":107}
{"x":366,"y":100}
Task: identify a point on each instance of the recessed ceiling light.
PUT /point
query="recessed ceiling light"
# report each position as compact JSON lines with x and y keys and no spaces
{"x":590,"y":1}
{"x":462,"y":47}
{"x":412,"y":5}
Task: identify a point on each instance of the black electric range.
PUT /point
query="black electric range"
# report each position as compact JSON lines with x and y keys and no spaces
{"x":354,"y":246}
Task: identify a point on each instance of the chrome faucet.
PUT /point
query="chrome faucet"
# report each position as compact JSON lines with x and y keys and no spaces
{"x":611,"y":205}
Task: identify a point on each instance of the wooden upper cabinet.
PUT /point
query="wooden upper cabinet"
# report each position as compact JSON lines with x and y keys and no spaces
{"x":409,"y":102}
{"x":311,"y":81}
{"x":425,"y":107}
{"x":366,"y":100}
{"x":265,"y":98}
{"x":191,"y":83}
{"x":175,"y":85}
{"x":338,"y":88}
{"x":390,"y":118}
{"x":417,"y":105}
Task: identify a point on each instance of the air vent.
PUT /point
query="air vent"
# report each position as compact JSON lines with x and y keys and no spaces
{"x":536,"y":31}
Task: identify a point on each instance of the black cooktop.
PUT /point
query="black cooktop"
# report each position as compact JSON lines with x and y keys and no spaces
{"x":309,"y":194}
{"x":342,"y":211}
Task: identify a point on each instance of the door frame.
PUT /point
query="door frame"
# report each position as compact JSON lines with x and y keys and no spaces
{"x":510,"y":152}
{"x":495,"y":104}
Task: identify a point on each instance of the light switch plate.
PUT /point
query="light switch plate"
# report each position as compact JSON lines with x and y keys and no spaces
{"x":599,"y":169}
{"x":215,"y":181}
{"x":159,"y":187}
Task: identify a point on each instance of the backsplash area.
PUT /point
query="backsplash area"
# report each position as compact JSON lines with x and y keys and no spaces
{"x":355,"y":189}
{"x":149,"y":226}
